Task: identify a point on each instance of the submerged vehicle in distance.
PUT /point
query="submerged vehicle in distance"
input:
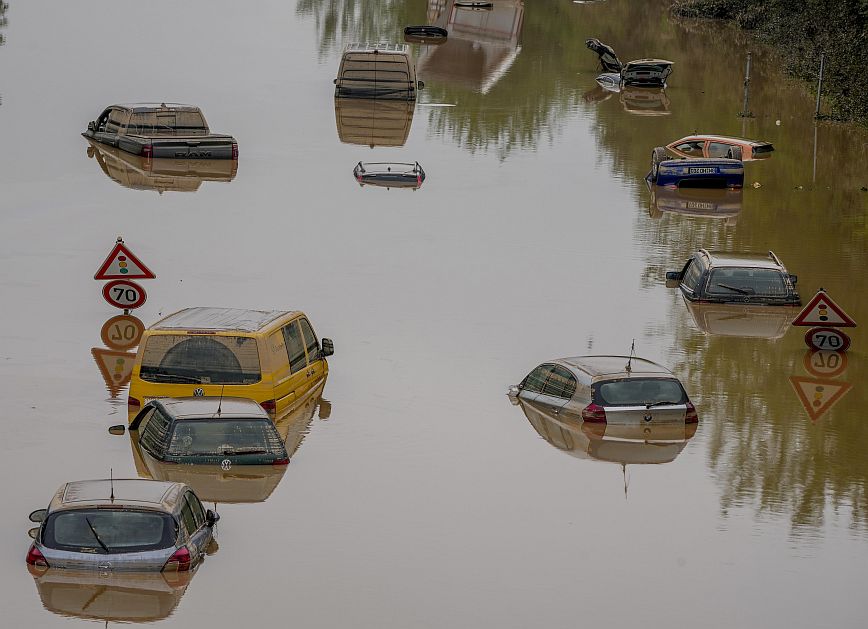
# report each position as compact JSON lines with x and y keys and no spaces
{"x":161,"y":174}
{"x":704,"y":172}
{"x":373,"y":121}
{"x":389,"y":174}
{"x":377,"y":71}
{"x":614,"y":390}
{"x":639,"y":72}
{"x":108,"y":596}
{"x":742,"y":278}
{"x":272,"y":357}
{"x":696,"y":146}
{"x":425,"y":34}
{"x":130,"y":525}
{"x":720,"y":203}
{"x":160,"y":130}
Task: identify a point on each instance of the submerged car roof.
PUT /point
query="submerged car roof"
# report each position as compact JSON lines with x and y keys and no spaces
{"x":596,"y":366}
{"x":756,"y":260}
{"x":121,"y":492}
{"x":222,"y":319}
{"x":731,"y":138}
{"x":147,"y":106}
{"x":395,"y":49}
{"x":206,"y":408}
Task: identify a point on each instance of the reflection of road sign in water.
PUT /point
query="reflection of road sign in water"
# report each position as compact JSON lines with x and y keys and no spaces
{"x":115,"y":367}
{"x":824,"y":364}
{"x":828,"y":339}
{"x":821,"y":310}
{"x":124,"y":294}
{"x":122,"y":264}
{"x":122,"y":332}
{"x":818,"y":395}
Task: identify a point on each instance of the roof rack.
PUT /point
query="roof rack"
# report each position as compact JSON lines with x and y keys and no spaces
{"x":376,"y":47}
{"x":775,"y":258}
{"x":705,"y":253}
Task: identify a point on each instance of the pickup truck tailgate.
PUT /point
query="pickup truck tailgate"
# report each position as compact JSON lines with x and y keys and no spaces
{"x":208,"y":147}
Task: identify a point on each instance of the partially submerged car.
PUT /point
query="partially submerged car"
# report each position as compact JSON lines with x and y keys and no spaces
{"x":272,"y":357}
{"x":390,"y":174}
{"x":208,"y":431}
{"x":161,"y":174}
{"x":425,"y":34}
{"x":156,"y":130}
{"x":623,"y":390}
{"x":743,"y":278}
{"x":377,"y":71}
{"x":121,"y":525}
{"x":693,"y":146}
{"x":639,"y":72}
{"x":373,"y":121}
{"x":694,"y":173}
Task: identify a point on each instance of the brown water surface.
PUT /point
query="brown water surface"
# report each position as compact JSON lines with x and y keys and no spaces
{"x":424,"y":499}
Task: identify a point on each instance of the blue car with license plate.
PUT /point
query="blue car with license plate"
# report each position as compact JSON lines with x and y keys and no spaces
{"x":695,"y":173}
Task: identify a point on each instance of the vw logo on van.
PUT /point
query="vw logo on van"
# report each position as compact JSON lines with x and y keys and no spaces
{"x":198,"y":392}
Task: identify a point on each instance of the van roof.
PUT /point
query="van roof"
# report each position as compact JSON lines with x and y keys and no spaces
{"x":222,"y":319}
{"x":127,"y":492}
{"x":616,"y":365}
{"x":395,"y":49}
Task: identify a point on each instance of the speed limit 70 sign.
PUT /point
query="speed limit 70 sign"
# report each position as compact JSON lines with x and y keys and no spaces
{"x":124,"y":294}
{"x":827,"y":339}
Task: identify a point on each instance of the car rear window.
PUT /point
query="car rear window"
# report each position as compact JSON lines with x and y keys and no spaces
{"x":763,"y":148}
{"x":200,"y":359}
{"x":225,"y":437}
{"x":747,"y":281}
{"x":168,"y":123}
{"x":109,"y":530}
{"x":636,"y":391}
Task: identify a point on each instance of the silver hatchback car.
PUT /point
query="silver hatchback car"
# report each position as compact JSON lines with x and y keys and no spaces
{"x":608,"y":389}
{"x":121,"y":525}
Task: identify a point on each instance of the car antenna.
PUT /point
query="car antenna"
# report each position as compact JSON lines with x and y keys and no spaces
{"x":629,"y":366}
{"x":112,"y":484}
{"x":624,"y":472}
{"x":220,"y":403}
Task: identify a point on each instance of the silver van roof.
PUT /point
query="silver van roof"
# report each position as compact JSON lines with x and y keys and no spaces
{"x":234,"y":319}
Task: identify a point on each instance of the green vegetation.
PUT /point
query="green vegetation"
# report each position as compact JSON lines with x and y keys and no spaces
{"x":802,"y":31}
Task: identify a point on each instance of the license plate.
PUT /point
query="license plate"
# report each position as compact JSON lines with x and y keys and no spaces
{"x":696,"y":170}
{"x":698,"y":205}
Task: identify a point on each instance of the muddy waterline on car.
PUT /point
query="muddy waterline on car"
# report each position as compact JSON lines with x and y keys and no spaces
{"x":421,"y":497}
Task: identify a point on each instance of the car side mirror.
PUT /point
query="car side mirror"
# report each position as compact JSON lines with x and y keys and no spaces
{"x":335,"y":81}
{"x":117,"y":429}
{"x":328,"y":347}
{"x":91,"y":126}
{"x":211,"y":518}
{"x":794,"y":278}
{"x":38,"y":515}
{"x":673,"y":275}
{"x":420,"y":85}
{"x":34,"y":532}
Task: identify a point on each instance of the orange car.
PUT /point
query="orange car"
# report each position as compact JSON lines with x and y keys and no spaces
{"x":720,"y":146}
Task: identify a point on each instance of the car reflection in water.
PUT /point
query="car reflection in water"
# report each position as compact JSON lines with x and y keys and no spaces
{"x":720,"y":203}
{"x":765,"y":322}
{"x":373,"y":122}
{"x":127,"y":597}
{"x":161,"y":174}
{"x":640,"y":101}
{"x":240,"y":483}
{"x":625,"y":444}
{"x":481,"y":48}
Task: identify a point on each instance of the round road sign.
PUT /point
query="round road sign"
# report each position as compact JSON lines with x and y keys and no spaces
{"x":828,"y":339}
{"x":124,"y":294}
{"x":825,"y":364}
{"x":122,"y":332}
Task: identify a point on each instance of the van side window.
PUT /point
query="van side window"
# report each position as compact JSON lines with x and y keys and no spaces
{"x":155,"y":436}
{"x":313,"y":351}
{"x":691,"y":276}
{"x":294,"y":346}
{"x":561,"y":383}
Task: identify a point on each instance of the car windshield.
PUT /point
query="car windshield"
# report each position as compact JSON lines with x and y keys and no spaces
{"x":109,"y":530}
{"x":747,"y":281}
{"x":200,"y":359}
{"x":168,"y":123}
{"x":636,"y":391}
{"x":225,"y":437}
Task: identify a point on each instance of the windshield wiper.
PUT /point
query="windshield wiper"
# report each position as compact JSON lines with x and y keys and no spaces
{"x":165,"y":376}
{"x":659,"y":403}
{"x":250,"y":450}
{"x":743,"y":291}
{"x":95,"y":534}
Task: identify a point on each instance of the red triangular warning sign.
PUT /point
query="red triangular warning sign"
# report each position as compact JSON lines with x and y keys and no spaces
{"x":115,"y":367}
{"x":122,"y":264}
{"x":818,"y":396}
{"x":822,"y":310}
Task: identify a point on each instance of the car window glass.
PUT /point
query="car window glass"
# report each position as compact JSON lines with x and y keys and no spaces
{"x":313,"y":351}
{"x":636,"y":391}
{"x":692,"y":275}
{"x":560,"y":383}
{"x":690,"y":147}
{"x":536,"y":379}
{"x":155,"y":436}
{"x":115,"y":121}
{"x":294,"y":346}
{"x":121,"y":530}
{"x":146,"y":417}
{"x":188,"y":519}
{"x":718,"y":149}
{"x":196,"y":509}
{"x":746,"y":282}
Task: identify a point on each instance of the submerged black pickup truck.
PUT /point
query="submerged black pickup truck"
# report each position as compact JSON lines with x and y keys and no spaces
{"x":161,"y":130}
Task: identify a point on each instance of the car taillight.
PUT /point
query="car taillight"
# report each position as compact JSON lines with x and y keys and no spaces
{"x":180,"y":560}
{"x":283,"y":461}
{"x":270,"y":406}
{"x":691,"y":417}
{"x":131,"y":401}
{"x":235,"y":150}
{"x":147,"y":151}
{"x":35,"y":558}
{"x":594,"y":413}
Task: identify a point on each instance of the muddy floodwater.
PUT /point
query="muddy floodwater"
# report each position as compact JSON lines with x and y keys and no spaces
{"x":417,"y":496}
